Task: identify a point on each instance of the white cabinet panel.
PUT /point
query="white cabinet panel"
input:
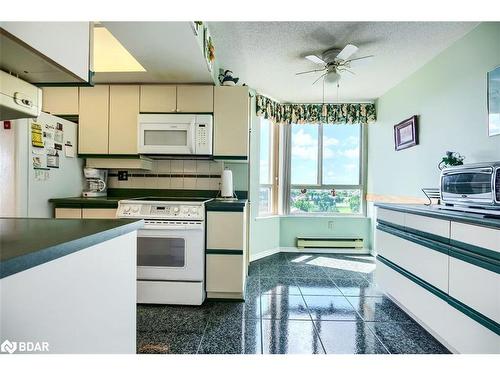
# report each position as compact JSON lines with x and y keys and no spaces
{"x":427,"y":224}
{"x":428,"y":264}
{"x":66,"y":43}
{"x":393,"y":217}
{"x":225,"y":273}
{"x":225,"y":230}
{"x":487,"y":238}
{"x":453,"y":328}
{"x":476,"y":287}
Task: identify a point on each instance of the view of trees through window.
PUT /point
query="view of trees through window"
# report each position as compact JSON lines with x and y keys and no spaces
{"x":325,"y":162}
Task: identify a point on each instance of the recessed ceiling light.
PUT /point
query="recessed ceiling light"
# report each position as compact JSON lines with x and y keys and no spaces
{"x":110,"y":55}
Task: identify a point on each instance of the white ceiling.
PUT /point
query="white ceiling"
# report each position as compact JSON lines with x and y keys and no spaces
{"x":167,"y":50}
{"x":266,"y":55}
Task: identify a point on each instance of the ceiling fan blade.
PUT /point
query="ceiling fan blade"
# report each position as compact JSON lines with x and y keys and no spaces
{"x":321,"y":76}
{"x":315,"y":59}
{"x":347,"y":52}
{"x":360,"y":58}
{"x":310,"y":71}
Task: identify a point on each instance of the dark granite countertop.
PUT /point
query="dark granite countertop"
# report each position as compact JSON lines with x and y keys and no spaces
{"x":220,"y":205}
{"x":82,"y":202}
{"x":27,"y":242}
{"x":440,"y":213}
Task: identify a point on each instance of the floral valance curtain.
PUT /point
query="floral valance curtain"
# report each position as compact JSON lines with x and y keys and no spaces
{"x":347,"y":113}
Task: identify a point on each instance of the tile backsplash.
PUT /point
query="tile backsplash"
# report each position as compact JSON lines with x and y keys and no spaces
{"x":172,"y":174}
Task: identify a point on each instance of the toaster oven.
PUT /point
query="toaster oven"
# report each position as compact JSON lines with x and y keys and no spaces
{"x":471,"y":185}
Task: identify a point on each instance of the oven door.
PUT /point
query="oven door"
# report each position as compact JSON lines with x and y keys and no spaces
{"x":166,"y":135}
{"x":171,"y":251}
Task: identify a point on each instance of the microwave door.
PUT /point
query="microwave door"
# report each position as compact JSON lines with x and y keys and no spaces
{"x":162,"y":138}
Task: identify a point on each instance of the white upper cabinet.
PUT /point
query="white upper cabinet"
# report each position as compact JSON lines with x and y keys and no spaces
{"x":158,"y":98}
{"x":195,"y":99}
{"x":64,"y":44}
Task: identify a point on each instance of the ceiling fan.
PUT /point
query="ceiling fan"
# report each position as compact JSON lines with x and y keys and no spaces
{"x":335,"y":62}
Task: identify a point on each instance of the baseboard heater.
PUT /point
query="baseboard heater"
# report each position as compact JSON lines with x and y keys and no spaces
{"x":329,"y":242}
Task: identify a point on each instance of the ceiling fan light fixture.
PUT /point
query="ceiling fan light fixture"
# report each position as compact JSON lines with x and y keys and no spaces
{"x":332,"y":77}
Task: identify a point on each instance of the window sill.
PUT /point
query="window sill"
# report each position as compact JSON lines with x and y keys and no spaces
{"x":326,"y":216}
{"x":264,"y":217}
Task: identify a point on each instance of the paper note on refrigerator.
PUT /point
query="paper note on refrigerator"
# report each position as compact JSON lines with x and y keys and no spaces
{"x":69,"y":150}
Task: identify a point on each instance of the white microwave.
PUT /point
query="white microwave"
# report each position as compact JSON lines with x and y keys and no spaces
{"x":174,"y":134}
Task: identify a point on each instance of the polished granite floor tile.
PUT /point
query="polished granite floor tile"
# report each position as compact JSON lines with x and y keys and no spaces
{"x":317,"y":287}
{"x":274,"y":270}
{"x":356,"y":287}
{"x":331,"y":308}
{"x":189,"y":319}
{"x":347,"y":337}
{"x":290,"y":337}
{"x":286,"y":295}
{"x":237,"y":336}
{"x":253,"y":270}
{"x":279,"y":285}
{"x":406,"y":338}
{"x":252,"y":286}
{"x":308,"y":272}
{"x":378,"y":309}
{"x":338,"y":273}
{"x":283,"y":306}
{"x":168,"y":342}
{"x":235,"y":310}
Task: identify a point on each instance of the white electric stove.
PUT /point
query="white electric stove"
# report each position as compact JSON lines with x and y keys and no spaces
{"x":170,"y":249}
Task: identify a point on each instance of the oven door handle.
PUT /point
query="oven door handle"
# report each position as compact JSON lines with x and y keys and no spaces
{"x":172,"y":227}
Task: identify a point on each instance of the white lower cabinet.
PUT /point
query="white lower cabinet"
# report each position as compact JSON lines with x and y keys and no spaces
{"x":476,"y":287}
{"x":428,"y":264}
{"x":450,"y":326}
{"x":226,"y":253}
{"x":445,"y":275}
{"x":226,"y":275}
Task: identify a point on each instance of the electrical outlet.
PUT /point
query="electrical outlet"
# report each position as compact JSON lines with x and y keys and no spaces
{"x":330,"y":224}
{"x":122,"y":175}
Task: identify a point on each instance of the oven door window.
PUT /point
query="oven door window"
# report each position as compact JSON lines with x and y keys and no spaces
{"x":161,"y":252}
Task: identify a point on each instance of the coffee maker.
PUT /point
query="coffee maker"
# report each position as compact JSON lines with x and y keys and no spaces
{"x":95,"y":182}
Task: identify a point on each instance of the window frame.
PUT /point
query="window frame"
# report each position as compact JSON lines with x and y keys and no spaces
{"x":361,"y":186}
{"x":273,"y":168}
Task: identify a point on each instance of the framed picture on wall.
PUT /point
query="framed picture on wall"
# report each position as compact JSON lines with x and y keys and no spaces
{"x":494,"y":102}
{"x":405,"y":133}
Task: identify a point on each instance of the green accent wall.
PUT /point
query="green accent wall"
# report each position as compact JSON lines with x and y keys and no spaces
{"x":264,"y":232}
{"x":448,"y":95}
{"x":291,"y":227}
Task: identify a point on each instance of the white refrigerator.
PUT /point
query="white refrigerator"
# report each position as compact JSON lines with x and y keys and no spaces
{"x":38,"y":161}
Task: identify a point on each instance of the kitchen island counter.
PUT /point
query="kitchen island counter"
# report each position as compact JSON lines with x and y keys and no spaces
{"x":29,"y":242}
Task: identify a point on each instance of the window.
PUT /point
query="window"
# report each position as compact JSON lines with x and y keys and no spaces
{"x":268,"y":168}
{"x":325,"y":169}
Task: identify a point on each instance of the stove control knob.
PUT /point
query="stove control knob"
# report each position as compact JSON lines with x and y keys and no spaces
{"x":176,"y":210}
{"x":126,"y":209}
{"x":135,"y":209}
{"x":194,"y":210}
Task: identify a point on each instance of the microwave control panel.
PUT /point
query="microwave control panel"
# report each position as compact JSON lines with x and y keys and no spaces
{"x":203,"y":135}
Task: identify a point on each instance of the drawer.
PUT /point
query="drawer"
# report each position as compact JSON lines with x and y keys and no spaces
{"x":99,"y":213}
{"x":426,"y":263}
{"x":476,"y":287}
{"x":394,"y":217}
{"x":225,"y":273}
{"x":225,"y":230}
{"x":429,"y":225}
{"x":487,"y":238}
{"x":68,"y":213}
